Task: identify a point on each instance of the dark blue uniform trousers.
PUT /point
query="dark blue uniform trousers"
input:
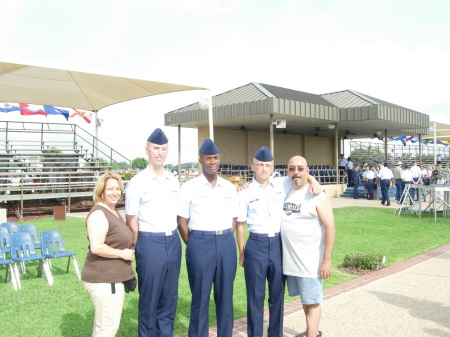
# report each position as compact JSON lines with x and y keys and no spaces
{"x":158,"y":261}
{"x":355,"y":188}
{"x":262,"y":260}
{"x":398,"y":189}
{"x":384,"y":184}
{"x":370,"y":188}
{"x":413,"y":190}
{"x":211,"y":259}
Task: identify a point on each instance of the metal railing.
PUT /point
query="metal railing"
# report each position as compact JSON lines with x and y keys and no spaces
{"x":14,"y":136}
{"x":19,"y":187}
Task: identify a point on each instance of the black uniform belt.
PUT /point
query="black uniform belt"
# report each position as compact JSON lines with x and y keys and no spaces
{"x":219,"y":232}
{"x":264,"y":235}
{"x":168,"y":233}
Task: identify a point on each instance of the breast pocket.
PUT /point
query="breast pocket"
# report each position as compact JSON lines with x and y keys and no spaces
{"x":148,"y":197}
{"x":253,"y":204}
{"x":198,"y":200}
{"x":174,"y":194}
{"x":227,"y":201}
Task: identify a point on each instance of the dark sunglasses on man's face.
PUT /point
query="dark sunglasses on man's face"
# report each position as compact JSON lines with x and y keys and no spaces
{"x":294,"y":168}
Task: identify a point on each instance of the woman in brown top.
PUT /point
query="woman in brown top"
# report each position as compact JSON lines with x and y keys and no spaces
{"x":108,"y":262}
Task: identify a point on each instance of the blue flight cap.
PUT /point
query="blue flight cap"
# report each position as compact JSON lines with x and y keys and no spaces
{"x":405,"y":165}
{"x":380,"y":162}
{"x":209,"y":148}
{"x":158,"y":137}
{"x":263,"y":154}
{"x":386,"y":164}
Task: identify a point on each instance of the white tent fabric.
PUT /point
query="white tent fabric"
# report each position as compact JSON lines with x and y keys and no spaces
{"x":439,"y":130}
{"x":72,"y":89}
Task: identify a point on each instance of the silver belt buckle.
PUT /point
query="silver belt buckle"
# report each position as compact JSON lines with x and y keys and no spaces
{"x":169,"y":233}
{"x":270,"y":235}
{"x":219,"y":232}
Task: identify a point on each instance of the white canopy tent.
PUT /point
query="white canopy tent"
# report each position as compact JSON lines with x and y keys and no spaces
{"x":21,"y":83}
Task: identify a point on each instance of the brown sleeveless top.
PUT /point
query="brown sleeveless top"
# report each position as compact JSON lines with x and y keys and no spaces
{"x":99,"y":269}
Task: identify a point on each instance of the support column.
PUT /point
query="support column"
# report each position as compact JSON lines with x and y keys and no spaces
{"x":272,"y":149}
{"x":385,"y":147}
{"x":179,"y":154}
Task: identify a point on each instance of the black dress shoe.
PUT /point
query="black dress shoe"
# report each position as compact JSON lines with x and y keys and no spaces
{"x":382,"y":202}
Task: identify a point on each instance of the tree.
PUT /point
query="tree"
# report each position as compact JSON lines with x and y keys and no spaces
{"x":139,"y":163}
{"x":120,"y":166}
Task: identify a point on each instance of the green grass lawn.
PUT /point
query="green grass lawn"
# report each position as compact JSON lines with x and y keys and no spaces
{"x":65,"y":308}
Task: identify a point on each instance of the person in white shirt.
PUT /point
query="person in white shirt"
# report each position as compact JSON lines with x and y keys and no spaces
{"x":150,"y":206}
{"x":386,"y":179}
{"x":209,"y":204}
{"x":416,"y":173}
{"x":342,"y":166}
{"x":307,"y":233}
{"x":369,"y":181}
{"x":261,"y":207}
{"x":349,"y":164}
{"x":364,"y":176}
{"x":392,"y":154}
{"x":407,"y":180}
{"x":376,"y":171}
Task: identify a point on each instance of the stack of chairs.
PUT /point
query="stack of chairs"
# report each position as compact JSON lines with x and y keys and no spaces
{"x":21,"y":242}
{"x":5,"y":248}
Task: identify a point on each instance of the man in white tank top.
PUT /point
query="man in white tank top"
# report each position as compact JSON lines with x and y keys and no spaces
{"x":307,"y":233}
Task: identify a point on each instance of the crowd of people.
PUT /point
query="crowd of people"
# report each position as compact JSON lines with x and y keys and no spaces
{"x":291,"y":239}
{"x":381,"y":176}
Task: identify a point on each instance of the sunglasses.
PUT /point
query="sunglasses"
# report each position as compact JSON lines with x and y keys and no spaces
{"x":296,"y":168}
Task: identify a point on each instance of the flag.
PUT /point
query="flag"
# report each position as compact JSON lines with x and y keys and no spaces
{"x":31,"y":110}
{"x":51,"y":110}
{"x":7,"y":107}
{"x":86,"y":116}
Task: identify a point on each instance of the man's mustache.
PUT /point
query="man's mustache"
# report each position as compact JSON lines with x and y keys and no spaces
{"x":295,"y":176}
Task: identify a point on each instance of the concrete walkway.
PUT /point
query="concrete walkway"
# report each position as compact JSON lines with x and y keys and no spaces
{"x":411,"y":298}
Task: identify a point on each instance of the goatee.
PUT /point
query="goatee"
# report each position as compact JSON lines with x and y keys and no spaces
{"x":296,"y":182}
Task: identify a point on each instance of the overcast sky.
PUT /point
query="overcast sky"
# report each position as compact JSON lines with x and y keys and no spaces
{"x":394,"y":50}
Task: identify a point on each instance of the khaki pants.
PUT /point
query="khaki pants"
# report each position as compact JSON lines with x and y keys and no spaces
{"x":107,"y":306}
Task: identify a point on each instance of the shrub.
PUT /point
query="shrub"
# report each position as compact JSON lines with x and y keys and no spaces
{"x":366,"y":261}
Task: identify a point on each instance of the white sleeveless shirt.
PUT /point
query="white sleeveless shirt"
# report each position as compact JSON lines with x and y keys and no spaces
{"x":302,"y":234}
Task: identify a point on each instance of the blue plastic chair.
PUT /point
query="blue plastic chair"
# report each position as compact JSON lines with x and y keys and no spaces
{"x":31,"y":229}
{"x":10,"y":226}
{"x":53,"y":248}
{"x":22,"y":250}
{"x":9,"y":270}
{"x":4,"y":240}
